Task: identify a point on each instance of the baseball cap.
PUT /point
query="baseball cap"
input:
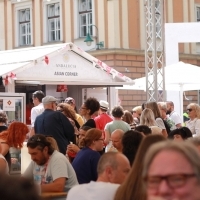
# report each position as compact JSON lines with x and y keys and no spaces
{"x":48,"y":99}
{"x":70,"y":100}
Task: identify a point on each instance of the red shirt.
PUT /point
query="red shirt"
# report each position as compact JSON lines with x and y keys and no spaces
{"x":101,"y":121}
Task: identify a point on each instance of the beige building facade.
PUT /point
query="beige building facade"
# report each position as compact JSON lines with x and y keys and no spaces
{"x":119,"y":24}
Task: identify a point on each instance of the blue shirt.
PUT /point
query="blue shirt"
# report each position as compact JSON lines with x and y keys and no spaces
{"x":85,"y":165}
{"x":55,"y":124}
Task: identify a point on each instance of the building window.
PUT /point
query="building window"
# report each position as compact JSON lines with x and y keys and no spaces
{"x":24,"y":27}
{"x":198,"y":14}
{"x":53,"y":20}
{"x":85,"y":17}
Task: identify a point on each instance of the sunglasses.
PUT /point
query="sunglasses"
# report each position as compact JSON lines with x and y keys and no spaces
{"x":189,"y":109}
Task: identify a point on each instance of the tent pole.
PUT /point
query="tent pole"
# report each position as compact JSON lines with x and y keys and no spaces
{"x":181,"y":101}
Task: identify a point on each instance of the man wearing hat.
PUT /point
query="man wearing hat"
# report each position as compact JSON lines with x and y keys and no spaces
{"x":103,"y":118}
{"x":71,"y":102}
{"x":54,"y":123}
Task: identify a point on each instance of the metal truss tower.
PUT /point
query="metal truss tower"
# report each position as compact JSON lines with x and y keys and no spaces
{"x":154,"y":51}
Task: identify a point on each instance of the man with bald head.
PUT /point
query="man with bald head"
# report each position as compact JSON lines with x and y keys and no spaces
{"x":112,"y":170}
{"x":116,"y":138}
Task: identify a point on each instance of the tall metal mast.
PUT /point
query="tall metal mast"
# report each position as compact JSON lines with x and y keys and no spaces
{"x":154,"y":51}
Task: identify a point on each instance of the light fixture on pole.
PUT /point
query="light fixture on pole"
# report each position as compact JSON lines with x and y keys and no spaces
{"x":89,"y":40}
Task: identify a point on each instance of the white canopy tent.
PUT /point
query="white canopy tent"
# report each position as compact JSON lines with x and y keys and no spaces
{"x":58,"y":64}
{"x":61,"y":64}
{"x":178,"y":77}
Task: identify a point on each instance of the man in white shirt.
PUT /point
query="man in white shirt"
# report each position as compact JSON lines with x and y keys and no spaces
{"x":174,"y":116}
{"x":112,"y":170}
{"x":37,"y":109}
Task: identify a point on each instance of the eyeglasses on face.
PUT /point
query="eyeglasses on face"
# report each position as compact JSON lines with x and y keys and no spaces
{"x":173,"y":181}
{"x":189,"y":110}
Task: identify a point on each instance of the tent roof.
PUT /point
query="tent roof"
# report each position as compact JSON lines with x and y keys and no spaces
{"x":58,"y":64}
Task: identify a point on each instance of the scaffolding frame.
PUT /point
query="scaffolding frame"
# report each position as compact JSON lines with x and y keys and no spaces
{"x":154,"y":50}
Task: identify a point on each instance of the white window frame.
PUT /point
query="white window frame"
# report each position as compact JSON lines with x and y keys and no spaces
{"x":88,"y":15}
{"x":26,"y":24}
{"x":17,"y":8}
{"x":197,"y":12}
{"x":46,"y":38}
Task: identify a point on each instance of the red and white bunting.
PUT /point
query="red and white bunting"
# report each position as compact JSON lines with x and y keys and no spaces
{"x":46,"y":60}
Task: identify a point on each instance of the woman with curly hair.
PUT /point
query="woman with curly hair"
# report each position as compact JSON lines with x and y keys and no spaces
{"x":14,"y":136}
{"x":3,"y":121}
{"x":193,"y":124}
{"x":89,"y":107}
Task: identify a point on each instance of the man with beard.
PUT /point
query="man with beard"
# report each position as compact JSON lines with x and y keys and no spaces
{"x":49,"y":169}
{"x":174,"y":116}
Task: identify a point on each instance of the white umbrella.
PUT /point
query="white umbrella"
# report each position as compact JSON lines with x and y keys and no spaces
{"x":178,"y":77}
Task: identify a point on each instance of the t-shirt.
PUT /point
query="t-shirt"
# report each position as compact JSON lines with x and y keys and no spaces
{"x":79,"y":119}
{"x":194,"y":126}
{"x":90,"y":123}
{"x":160,"y":123}
{"x":117,"y":124}
{"x":102,"y":120}
{"x":175,"y":117}
{"x":58,"y":166}
{"x":56,"y":125}
{"x":35,"y":111}
{"x":93,"y":191}
{"x":85,"y":165}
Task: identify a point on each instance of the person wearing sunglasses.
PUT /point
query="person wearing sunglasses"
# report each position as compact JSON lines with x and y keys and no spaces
{"x":172,"y":171}
{"x":193,"y":124}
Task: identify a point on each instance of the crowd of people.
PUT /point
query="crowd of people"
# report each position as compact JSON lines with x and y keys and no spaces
{"x":145,"y":154}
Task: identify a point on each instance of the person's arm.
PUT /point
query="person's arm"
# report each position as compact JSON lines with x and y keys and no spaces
{"x":73,"y":147}
{"x":33,"y":117}
{"x":3,"y":166}
{"x":164,"y":132}
{"x":32,"y":132}
{"x":56,"y":186}
{"x":4,"y":148}
{"x":161,"y":124}
{"x":107,"y":137}
{"x":197,"y":128}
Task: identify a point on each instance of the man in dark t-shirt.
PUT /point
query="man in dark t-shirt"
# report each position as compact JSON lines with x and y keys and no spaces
{"x":54,"y":124}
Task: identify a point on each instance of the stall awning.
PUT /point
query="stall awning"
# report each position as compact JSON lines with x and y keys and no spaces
{"x":58,"y":64}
